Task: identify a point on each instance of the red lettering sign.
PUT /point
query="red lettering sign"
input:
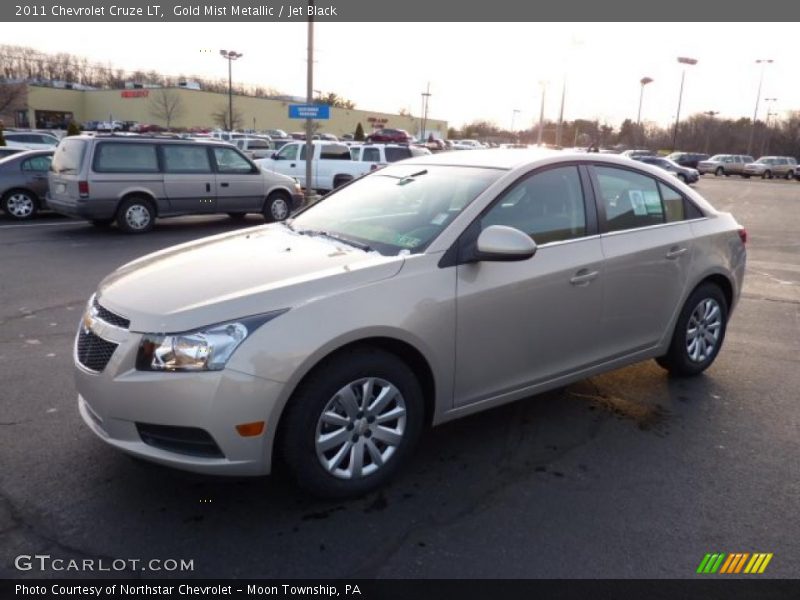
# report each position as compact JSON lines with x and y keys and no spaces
{"x":135,"y":93}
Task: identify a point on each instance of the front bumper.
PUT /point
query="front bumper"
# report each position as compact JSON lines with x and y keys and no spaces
{"x":112,"y":402}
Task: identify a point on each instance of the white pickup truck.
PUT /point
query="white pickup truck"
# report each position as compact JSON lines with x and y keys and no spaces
{"x":331,"y":165}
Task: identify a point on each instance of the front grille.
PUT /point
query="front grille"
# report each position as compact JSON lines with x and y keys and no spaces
{"x":106,"y":315}
{"x":94,"y":352}
{"x":182,"y":440}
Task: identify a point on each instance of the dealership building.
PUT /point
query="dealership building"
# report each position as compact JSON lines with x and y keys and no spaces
{"x":53,"y":107}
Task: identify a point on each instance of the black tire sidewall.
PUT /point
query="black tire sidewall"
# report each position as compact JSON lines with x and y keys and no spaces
{"x":272,"y":199}
{"x":33,"y":198}
{"x":299,"y":424}
{"x":677,"y":360}
{"x":123,"y":208}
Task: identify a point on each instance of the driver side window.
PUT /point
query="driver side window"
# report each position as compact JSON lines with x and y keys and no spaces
{"x":547,"y":205}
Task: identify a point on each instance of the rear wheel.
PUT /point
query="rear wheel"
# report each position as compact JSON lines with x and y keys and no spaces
{"x":136,"y":215}
{"x":277,"y":206}
{"x":340,"y":180}
{"x":699,"y":332}
{"x":20,"y":205}
{"x":352,"y":423}
{"x":767,"y":175}
{"x":682,"y":177}
{"x":719,"y":171}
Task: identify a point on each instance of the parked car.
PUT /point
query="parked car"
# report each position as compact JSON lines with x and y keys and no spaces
{"x":348,"y":137}
{"x":329,"y":137}
{"x":387,"y":135}
{"x":133,"y":180}
{"x":724,"y":164}
{"x":255,"y":147}
{"x":6,"y":151}
{"x":637,"y":153}
{"x":687,"y":159}
{"x":277,"y":134}
{"x":768,"y":167}
{"x":332,"y":165}
{"x":685,"y":174}
{"x":383,"y":154}
{"x":327,"y":342}
{"x":30,"y":140}
{"x":23,"y":183}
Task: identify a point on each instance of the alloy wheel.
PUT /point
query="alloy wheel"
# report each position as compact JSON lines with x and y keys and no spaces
{"x":360,"y":428}
{"x":703,"y":330}
{"x":137,"y":217}
{"x":20,"y":205}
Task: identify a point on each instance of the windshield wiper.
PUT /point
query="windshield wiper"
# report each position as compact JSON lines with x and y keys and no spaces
{"x":338,"y":238}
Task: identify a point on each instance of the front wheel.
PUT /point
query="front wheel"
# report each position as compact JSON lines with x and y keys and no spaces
{"x":277,"y":207}
{"x":20,"y":205}
{"x":352,"y":423}
{"x":767,"y":175}
{"x":719,"y":171}
{"x":699,"y":332}
{"x":682,"y":177}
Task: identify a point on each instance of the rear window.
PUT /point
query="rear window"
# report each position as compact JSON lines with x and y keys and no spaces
{"x":335,"y":152}
{"x":395,"y":154}
{"x":113,"y":157}
{"x":68,"y":157}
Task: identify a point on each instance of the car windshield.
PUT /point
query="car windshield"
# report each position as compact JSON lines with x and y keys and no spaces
{"x":400,"y":208}
{"x":718,"y":157}
{"x":765,"y":161}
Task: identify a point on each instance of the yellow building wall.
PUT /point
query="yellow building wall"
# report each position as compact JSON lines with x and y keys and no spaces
{"x":198,"y":107}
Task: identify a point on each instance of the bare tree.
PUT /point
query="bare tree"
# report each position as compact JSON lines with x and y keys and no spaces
{"x":12,"y":96}
{"x":166,"y":105}
{"x":221,"y":117}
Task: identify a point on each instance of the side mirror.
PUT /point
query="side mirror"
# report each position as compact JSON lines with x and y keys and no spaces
{"x":502,"y":243}
{"x":274,"y":156}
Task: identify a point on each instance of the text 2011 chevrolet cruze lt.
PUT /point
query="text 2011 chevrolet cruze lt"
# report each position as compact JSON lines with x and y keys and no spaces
{"x":431,"y":289}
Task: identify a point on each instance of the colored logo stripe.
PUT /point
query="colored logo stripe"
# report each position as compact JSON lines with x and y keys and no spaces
{"x":734,"y":563}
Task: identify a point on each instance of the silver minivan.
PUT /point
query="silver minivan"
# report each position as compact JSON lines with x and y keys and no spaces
{"x":133,"y":180}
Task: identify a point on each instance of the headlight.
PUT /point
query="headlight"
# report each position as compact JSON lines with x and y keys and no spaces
{"x":206,"y":349}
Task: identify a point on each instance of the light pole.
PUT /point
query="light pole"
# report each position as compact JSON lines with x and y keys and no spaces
{"x":541,"y":114}
{"x":425,"y":98}
{"x":643,"y":82}
{"x":710,"y":114}
{"x":763,"y":62}
{"x":684,"y":61}
{"x":514,"y":113}
{"x":230,"y":56}
{"x":309,"y":99}
{"x":561,"y":111}
{"x":766,"y":140}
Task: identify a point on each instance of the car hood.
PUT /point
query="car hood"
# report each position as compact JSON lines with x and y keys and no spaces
{"x":235,"y":275}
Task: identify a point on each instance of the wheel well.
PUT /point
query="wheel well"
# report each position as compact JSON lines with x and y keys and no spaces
{"x":142,"y":195}
{"x":33,"y":194}
{"x":722,"y":283}
{"x":342,"y":178}
{"x":412,"y":357}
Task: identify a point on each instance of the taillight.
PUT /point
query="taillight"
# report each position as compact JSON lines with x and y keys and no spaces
{"x":743,"y":235}
{"x":83,"y":189}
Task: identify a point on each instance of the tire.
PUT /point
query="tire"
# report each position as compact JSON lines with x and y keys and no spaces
{"x":719,"y":171}
{"x":102,"y":223}
{"x":766,"y":175}
{"x":746,"y":176}
{"x":383,"y":448}
{"x":682,"y":177}
{"x":20,"y":205}
{"x":277,"y":207}
{"x":706,"y":310}
{"x":136,"y":215}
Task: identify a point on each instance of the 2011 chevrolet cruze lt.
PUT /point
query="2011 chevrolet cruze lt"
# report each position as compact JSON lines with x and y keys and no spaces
{"x":431,"y":289}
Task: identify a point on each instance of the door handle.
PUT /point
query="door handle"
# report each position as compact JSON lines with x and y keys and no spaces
{"x":224,"y":184}
{"x":675,"y":252}
{"x":583,"y":277}
{"x":292,"y":165}
{"x":208,"y":187}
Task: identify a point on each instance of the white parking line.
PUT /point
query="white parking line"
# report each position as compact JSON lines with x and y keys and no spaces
{"x":43,"y":224}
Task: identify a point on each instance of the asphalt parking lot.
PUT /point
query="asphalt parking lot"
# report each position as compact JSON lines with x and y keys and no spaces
{"x":631,"y":474}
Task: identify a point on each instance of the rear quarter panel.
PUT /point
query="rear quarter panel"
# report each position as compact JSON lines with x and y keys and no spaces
{"x":718,"y":251}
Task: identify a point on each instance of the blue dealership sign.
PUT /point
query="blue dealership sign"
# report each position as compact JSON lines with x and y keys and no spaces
{"x":309,"y":111}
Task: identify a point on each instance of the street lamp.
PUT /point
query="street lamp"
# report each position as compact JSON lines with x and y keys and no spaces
{"x":684,"y":61}
{"x":643,"y":81}
{"x":766,"y":140}
{"x":425,"y":98}
{"x":514,"y":113}
{"x":763,"y":62}
{"x":710,"y":114}
{"x":541,"y":114}
{"x":230,"y":56}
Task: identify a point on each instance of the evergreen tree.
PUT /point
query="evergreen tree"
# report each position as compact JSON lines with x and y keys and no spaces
{"x":359,"y":134}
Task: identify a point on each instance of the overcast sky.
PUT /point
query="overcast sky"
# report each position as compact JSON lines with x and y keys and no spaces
{"x":476,"y":70}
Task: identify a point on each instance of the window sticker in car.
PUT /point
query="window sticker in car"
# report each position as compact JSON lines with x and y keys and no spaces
{"x":407,"y":241}
{"x":652,"y":202}
{"x":637,"y":202}
{"x":439,"y":219}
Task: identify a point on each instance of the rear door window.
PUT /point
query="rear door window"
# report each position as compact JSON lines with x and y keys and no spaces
{"x":335,"y":152}
{"x":37,"y":163}
{"x":115,"y":157}
{"x":395,"y":154}
{"x":185,"y":159}
{"x":371,"y":155}
{"x":629,"y":200}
